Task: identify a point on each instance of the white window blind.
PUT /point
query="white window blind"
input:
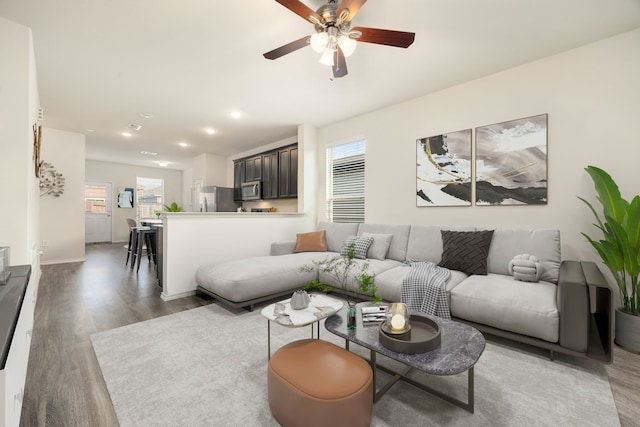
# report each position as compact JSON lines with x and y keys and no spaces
{"x":345,"y":182}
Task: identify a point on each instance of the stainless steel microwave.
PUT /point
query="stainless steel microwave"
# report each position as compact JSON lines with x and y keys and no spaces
{"x":252,"y":190}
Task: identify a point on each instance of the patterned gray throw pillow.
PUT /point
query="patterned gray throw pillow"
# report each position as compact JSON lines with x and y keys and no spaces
{"x":360,"y":248}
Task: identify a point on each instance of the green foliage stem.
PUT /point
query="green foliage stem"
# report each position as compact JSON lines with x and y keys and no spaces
{"x":344,"y":269}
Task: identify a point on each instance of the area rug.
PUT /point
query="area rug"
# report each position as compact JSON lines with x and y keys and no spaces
{"x":208,"y":367}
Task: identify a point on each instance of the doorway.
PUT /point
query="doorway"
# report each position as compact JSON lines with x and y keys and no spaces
{"x":97,"y":211}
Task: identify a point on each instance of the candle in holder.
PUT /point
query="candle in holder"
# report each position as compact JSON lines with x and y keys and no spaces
{"x":398,"y":317}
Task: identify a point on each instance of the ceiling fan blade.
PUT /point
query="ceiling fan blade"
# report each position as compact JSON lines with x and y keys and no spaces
{"x":386,"y":37}
{"x":353,"y":6}
{"x":339,"y":65}
{"x":287,"y":48}
{"x":300,"y":9}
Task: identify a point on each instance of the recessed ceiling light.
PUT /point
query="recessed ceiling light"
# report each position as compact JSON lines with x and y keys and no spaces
{"x":126,"y":134}
{"x":210,"y":131}
{"x":135,"y":127}
{"x":89,"y":130}
{"x":149,"y":153}
{"x":146,"y":115}
{"x":236,"y":114}
{"x":163,"y":164}
{"x":183,"y":144}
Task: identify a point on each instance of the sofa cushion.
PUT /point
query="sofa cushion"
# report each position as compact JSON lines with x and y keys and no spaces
{"x":542,"y":243}
{"x":380,"y":245}
{"x":527,"y":308}
{"x":398,"y":247}
{"x":283,"y":247}
{"x":314,"y":241}
{"x":466,"y":251}
{"x":360,"y":246}
{"x":425,"y":242}
{"x":249,"y":278}
{"x":337,"y":233}
{"x":389,"y":282}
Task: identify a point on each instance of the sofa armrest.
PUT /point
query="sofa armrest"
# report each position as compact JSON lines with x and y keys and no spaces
{"x":601,"y":345}
{"x":283,"y":248}
{"x":574,"y":307}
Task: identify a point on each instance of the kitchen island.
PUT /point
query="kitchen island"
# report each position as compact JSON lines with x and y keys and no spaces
{"x":192,"y":239}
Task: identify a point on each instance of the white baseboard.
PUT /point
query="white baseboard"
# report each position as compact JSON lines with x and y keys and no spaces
{"x":62,"y":261}
{"x":166,"y":297}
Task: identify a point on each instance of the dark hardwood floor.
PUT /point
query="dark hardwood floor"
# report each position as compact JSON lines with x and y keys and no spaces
{"x":64,"y":385}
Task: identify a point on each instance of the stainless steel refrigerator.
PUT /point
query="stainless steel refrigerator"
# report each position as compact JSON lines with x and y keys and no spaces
{"x":217,"y":199}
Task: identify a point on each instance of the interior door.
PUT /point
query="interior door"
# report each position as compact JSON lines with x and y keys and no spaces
{"x":97,"y":209}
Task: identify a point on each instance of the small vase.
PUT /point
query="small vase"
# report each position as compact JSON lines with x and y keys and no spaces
{"x":299,"y":300}
{"x":351,"y":317}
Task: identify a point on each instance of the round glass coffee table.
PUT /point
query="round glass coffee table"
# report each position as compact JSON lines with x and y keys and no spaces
{"x":460,"y":348}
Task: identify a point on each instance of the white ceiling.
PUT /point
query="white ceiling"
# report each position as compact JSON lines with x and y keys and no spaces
{"x":191,"y":62}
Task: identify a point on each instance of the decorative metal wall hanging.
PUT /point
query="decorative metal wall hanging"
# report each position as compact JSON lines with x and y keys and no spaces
{"x":37,"y":138}
{"x":51,"y":181}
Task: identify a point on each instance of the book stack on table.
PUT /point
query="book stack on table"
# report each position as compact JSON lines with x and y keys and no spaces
{"x":375,"y":314}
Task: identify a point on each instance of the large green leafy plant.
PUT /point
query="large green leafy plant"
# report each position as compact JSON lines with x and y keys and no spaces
{"x":344,"y":269}
{"x":619,"y":247}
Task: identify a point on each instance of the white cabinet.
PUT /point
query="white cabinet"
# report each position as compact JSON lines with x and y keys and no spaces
{"x":12,"y":377}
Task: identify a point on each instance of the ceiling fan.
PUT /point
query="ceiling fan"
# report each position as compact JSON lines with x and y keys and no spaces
{"x":334,"y":38}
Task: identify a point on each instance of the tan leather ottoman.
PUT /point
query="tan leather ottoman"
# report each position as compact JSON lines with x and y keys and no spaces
{"x":315,"y":383}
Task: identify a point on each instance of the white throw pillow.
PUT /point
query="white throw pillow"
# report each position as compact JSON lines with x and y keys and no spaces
{"x":380,"y":245}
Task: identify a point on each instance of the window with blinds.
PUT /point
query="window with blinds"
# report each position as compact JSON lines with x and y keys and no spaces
{"x":345,"y":182}
{"x":150,"y":196}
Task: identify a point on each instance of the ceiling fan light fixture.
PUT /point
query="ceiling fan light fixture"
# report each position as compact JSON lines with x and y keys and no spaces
{"x":319,"y":42}
{"x":327,"y":57}
{"x":347,"y":44}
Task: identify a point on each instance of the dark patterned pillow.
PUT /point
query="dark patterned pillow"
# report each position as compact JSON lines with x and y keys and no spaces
{"x":466,"y":251}
{"x":360,"y":246}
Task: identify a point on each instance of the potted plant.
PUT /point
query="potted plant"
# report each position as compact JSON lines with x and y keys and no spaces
{"x":173,"y":207}
{"x":619,"y":250}
{"x":345,"y":270}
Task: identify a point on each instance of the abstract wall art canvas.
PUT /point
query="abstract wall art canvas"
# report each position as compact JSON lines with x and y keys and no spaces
{"x":511,"y":162}
{"x":443,"y":169}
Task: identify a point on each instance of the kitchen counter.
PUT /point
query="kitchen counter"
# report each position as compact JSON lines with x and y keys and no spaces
{"x":11,"y":296}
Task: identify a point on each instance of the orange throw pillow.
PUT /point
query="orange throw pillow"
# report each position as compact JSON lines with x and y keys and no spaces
{"x":316,"y":241}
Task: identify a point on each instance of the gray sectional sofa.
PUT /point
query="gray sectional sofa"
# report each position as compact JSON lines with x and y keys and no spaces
{"x":553,"y":313}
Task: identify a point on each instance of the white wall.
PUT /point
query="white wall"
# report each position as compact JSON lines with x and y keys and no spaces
{"x":592,"y":97}
{"x":19,"y":102}
{"x":121,"y":175}
{"x":212,"y":169}
{"x":62,"y":218}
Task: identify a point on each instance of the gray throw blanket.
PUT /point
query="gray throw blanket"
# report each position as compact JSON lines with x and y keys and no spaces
{"x":423,"y":289}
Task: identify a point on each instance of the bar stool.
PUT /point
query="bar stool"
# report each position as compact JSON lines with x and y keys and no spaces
{"x":145,"y":235}
{"x":132,"y":238}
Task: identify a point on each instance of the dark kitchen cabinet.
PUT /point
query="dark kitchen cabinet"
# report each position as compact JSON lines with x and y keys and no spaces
{"x":238,"y":179}
{"x":288,"y":172}
{"x":270,"y":175}
{"x":253,"y":169}
{"x":277,"y":169}
{"x":293,"y":171}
